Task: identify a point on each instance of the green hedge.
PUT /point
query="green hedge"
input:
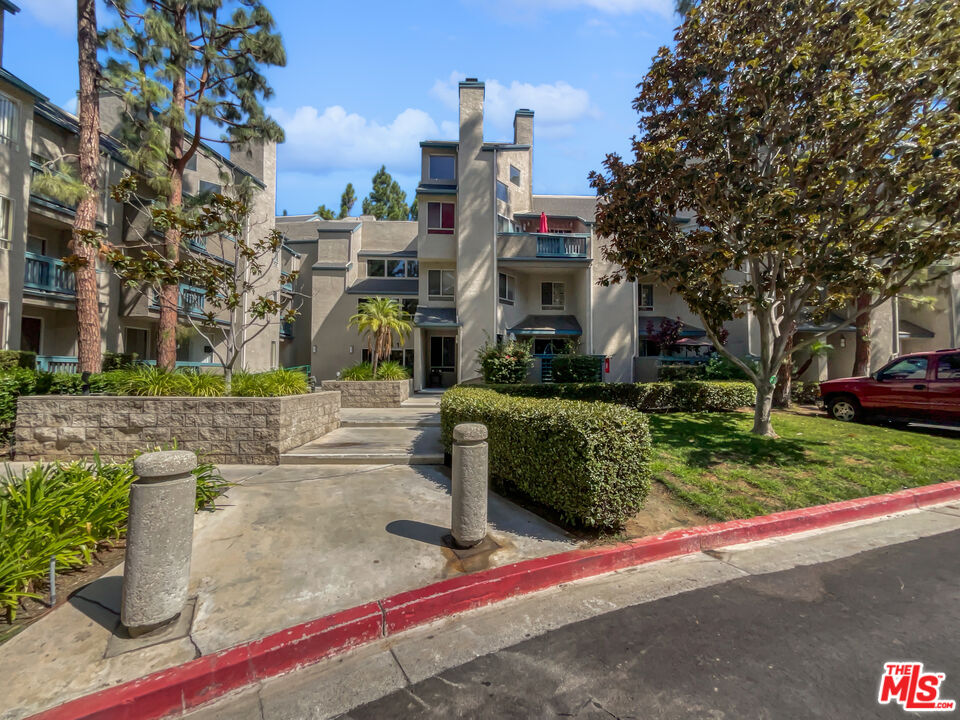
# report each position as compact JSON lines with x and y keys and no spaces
{"x":17,"y":359}
{"x":577,"y":368}
{"x":807,"y":393}
{"x":681,"y":396}
{"x":588,"y":461}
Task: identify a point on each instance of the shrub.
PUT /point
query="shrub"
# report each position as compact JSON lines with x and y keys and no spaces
{"x":577,"y":368}
{"x":719,"y":368}
{"x":686,"y":396}
{"x":153,"y":381}
{"x":805,"y":393}
{"x":118,"y":361}
{"x":668,"y":373}
{"x":13,"y":384}
{"x":589,"y":462}
{"x":392,"y":370}
{"x":505,"y":362}
{"x":285,"y":382}
{"x":203,"y":384}
{"x":10,"y":359}
{"x":65,"y":511}
{"x":360,"y":371}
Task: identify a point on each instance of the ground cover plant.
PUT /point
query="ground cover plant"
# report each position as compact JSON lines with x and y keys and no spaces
{"x":386,"y":370}
{"x":67,"y":511}
{"x":711,"y":463}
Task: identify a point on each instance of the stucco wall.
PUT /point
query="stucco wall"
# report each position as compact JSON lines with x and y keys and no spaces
{"x":227,"y":430}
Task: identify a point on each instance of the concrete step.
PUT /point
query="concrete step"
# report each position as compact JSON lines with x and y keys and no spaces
{"x":371,"y":445}
{"x":409,"y":417}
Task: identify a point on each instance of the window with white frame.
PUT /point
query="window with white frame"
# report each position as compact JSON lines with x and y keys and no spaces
{"x":644,"y":297}
{"x":507,"y":288}
{"x":9,"y":120}
{"x":514,"y":175}
{"x":502,"y":192}
{"x":441,"y":284}
{"x":506,"y":225}
{"x":6,"y":222}
{"x":376,"y":268}
{"x":551,"y":296}
{"x":440,"y":218}
{"x":442,"y":167}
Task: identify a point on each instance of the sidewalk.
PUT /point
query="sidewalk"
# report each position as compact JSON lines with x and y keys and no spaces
{"x":289,"y":544}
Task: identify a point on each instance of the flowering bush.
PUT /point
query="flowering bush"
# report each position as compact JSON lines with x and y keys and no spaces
{"x":505,"y":363}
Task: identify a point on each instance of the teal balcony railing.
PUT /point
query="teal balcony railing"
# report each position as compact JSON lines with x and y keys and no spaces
{"x":198,"y":243}
{"x":47,"y":274}
{"x":286,"y":330}
{"x":57,"y":363}
{"x":561,"y":246}
{"x":191,"y":300}
{"x":287,"y":285}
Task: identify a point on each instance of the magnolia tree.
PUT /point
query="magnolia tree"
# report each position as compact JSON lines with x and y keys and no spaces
{"x":241,"y":298}
{"x":815,"y":143}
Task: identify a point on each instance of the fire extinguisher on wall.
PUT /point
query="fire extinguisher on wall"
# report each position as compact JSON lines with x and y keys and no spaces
{"x":606,"y":366}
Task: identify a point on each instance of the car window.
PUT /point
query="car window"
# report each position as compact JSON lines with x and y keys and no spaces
{"x":949,"y":367}
{"x":914,"y":368}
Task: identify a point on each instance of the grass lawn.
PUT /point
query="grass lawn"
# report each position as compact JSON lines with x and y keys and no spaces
{"x":711,"y":462}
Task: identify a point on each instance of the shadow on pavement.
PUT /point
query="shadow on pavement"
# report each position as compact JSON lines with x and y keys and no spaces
{"x":415,"y":530}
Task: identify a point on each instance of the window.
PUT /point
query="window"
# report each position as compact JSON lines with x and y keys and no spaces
{"x":914,"y":368}
{"x":6,"y":222}
{"x":645,"y":297}
{"x":506,"y":288}
{"x":413,"y":268}
{"x":409,"y":305}
{"x":949,"y":367}
{"x":192,"y":162}
{"x":502,"y":192}
{"x":514,"y":175}
{"x":440,"y":218}
{"x":210,"y":187}
{"x":376,"y":268}
{"x":396,"y":268}
{"x":442,"y":167}
{"x":384,"y":267}
{"x":138,"y":343}
{"x":9,"y":120}
{"x":551,"y":296}
{"x":441,"y":283}
{"x":506,"y":225}
{"x":443,"y":353}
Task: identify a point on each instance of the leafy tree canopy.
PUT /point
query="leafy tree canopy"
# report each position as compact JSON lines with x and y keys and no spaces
{"x":386,"y":201}
{"x":792,"y":156}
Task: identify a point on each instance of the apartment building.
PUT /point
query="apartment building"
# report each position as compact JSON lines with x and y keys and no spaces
{"x":488,"y":258}
{"x":37,"y":295}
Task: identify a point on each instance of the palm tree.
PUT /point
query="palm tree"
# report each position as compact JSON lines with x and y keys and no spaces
{"x":379,"y":319}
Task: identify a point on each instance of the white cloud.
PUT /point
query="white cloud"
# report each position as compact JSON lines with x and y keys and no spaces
{"x":555,"y":105}
{"x":61,"y":15}
{"x":70,"y":104}
{"x":335,"y":139}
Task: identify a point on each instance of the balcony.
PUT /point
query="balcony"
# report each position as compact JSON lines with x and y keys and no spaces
{"x":48,"y":275}
{"x":546,"y":246}
{"x":287,"y":285}
{"x":191,"y":300}
{"x":286,"y":330}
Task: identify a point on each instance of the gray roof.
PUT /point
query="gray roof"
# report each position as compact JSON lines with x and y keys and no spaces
{"x":434,"y":317}
{"x":388,"y":253}
{"x":809,"y":326}
{"x":912,"y":330}
{"x":9,"y":7}
{"x":547,"y":325}
{"x":584,"y":206}
{"x":17,"y":82}
{"x":385,"y":286}
{"x":687,"y":331}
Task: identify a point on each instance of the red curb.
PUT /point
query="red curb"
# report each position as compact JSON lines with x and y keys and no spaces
{"x":186,"y":686}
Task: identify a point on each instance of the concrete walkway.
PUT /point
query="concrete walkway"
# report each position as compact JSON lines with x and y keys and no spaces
{"x":406,"y":435}
{"x":290,"y":544}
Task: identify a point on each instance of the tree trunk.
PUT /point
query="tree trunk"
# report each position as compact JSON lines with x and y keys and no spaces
{"x":861,"y":362}
{"x":89,"y":353}
{"x":761,"y":413}
{"x":170,"y":294}
{"x":781,"y":391}
{"x":227,"y":380}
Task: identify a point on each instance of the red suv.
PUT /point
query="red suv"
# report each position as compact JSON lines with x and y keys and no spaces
{"x":919,"y":385}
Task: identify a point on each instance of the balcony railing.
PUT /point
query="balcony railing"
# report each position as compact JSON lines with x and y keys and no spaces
{"x":190,"y":302}
{"x":57,"y":363}
{"x":47,"y":274}
{"x":286,"y":329}
{"x":287,"y":285}
{"x":561,"y":246}
{"x":198,"y":243}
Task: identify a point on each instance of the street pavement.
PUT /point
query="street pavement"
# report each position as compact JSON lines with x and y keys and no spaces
{"x":797,"y":627}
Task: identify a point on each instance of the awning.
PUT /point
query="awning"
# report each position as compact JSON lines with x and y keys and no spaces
{"x":911,"y":330}
{"x":694,"y":342}
{"x":808,"y":326}
{"x":547,"y":325}
{"x":434,"y":317}
{"x":687,"y":331}
{"x":385,"y":287}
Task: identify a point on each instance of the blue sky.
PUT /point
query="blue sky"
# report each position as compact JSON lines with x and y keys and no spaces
{"x":366,"y":81}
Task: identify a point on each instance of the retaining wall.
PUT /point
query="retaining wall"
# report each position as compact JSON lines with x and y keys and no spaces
{"x":370,"y":393}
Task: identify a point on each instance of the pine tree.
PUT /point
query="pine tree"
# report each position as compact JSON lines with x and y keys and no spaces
{"x":415,"y":209}
{"x":188,"y":63}
{"x":347,"y":201}
{"x":324,"y":212}
{"x":386,"y":201}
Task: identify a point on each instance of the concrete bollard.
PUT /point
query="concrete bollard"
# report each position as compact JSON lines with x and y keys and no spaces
{"x":159,"y":540}
{"x":468,"y":524}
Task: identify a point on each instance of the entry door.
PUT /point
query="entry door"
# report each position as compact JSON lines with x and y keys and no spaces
{"x":138,"y":342}
{"x":443,"y":361}
{"x":31,"y":330}
{"x":900,"y":386}
{"x":945,"y":386}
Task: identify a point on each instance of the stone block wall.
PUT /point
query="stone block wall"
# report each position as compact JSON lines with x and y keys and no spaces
{"x":227,"y":430}
{"x":370,"y":393}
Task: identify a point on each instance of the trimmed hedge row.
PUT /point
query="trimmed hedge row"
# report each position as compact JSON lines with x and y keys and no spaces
{"x":681,"y":396}
{"x":588,"y":461}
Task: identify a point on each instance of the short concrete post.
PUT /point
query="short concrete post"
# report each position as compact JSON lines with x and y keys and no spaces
{"x":469,"y":517}
{"x":159,"y":540}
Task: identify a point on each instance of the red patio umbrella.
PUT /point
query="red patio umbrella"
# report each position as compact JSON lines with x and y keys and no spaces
{"x":543,"y":223}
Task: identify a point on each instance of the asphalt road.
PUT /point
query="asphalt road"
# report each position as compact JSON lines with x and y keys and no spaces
{"x":803,"y":643}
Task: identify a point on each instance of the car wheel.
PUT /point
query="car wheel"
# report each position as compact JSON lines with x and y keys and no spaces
{"x":845,"y":409}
